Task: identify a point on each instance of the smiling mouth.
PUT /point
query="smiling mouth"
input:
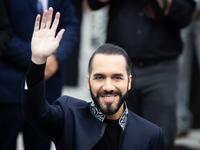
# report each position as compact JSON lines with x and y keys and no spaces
{"x":108,"y":98}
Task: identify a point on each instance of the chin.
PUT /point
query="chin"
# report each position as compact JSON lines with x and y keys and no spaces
{"x":108,"y":109}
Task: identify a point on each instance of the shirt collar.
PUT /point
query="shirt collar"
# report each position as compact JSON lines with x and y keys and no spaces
{"x":100,"y":116}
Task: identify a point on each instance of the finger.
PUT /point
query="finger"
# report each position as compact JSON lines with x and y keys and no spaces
{"x":37,"y":23}
{"x":56,"y":22}
{"x":49,"y":17}
{"x":59,"y":35}
{"x":44,"y":19}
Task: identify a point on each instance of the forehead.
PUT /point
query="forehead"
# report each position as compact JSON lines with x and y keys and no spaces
{"x":108,"y":63}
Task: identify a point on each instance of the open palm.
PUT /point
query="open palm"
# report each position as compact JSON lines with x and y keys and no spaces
{"x":44,"y":42}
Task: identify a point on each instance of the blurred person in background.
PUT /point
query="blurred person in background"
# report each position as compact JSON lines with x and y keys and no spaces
{"x":5,"y":38}
{"x":5,"y":30}
{"x":149,"y":30}
{"x":15,"y":63}
{"x":72,"y":63}
{"x":191,"y":41}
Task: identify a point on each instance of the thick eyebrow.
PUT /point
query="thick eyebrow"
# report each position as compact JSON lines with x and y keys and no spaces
{"x":118,"y":75}
{"x":98,"y":74}
{"x":113,"y":75}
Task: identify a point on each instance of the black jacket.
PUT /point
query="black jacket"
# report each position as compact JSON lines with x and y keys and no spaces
{"x":74,"y":124}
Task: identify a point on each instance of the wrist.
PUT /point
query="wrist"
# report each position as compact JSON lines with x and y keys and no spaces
{"x":38,"y":60}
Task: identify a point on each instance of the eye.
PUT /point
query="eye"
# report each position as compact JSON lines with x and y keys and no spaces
{"x":98,"y":78}
{"x":118,"y":78}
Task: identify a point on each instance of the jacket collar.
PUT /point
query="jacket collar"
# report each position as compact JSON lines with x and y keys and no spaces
{"x":100,"y":116}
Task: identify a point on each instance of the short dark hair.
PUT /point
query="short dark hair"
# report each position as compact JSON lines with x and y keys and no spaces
{"x":111,"y":49}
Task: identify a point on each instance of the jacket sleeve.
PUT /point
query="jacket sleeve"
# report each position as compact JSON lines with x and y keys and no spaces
{"x":161,"y":143}
{"x":46,"y":119}
{"x":5,"y":29}
{"x":95,"y":4}
{"x":180,"y":12}
{"x":70,"y":23}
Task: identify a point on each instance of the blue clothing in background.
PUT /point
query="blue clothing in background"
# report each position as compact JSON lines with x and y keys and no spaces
{"x":15,"y":63}
{"x":13,"y":66}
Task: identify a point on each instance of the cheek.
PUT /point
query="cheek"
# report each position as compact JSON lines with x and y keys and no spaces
{"x":95,"y":88}
{"x":122,"y":87}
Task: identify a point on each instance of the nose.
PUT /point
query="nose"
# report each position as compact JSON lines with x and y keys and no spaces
{"x":108,"y":85}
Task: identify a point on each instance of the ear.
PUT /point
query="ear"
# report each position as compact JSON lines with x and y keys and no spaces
{"x":129,"y":83}
{"x":88,"y":82}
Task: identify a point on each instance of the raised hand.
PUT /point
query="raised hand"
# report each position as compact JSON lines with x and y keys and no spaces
{"x":44,"y":42}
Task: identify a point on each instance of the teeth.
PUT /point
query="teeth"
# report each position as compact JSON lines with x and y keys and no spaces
{"x":109,"y":97}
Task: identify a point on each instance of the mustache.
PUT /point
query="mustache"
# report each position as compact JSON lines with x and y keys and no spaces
{"x":108,"y":92}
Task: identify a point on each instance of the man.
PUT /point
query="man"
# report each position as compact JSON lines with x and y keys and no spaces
{"x":149,"y":31}
{"x":15,"y":63}
{"x":106,"y":123}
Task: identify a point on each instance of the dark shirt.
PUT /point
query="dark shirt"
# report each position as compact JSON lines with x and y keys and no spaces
{"x":144,"y":37}
{"x":111,"y":137}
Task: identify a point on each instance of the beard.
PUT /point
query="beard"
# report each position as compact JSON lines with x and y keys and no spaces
{"x":108,"y":108}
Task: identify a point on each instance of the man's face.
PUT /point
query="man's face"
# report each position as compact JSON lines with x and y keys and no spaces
{"x":108,"y":83}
